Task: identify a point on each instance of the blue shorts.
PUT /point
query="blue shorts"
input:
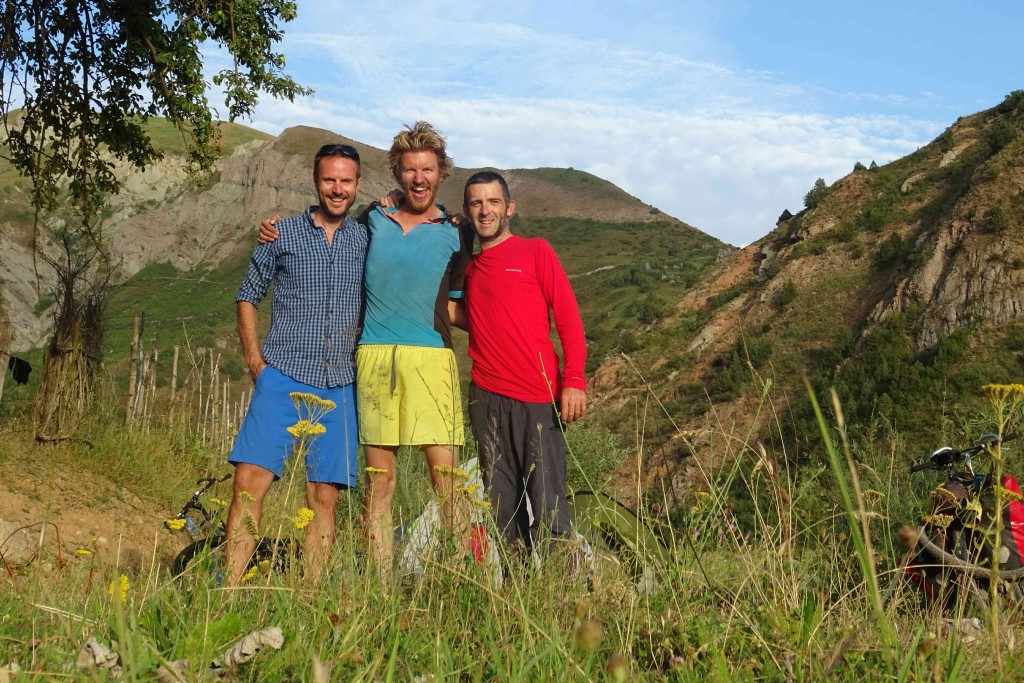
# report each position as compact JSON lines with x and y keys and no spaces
{"x":264,"y":439}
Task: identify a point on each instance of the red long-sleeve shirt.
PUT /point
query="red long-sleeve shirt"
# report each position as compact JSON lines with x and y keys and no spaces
{"x":511,"y":291}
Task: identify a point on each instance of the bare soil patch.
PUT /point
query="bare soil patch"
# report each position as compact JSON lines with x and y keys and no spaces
{"x":73,"y":509}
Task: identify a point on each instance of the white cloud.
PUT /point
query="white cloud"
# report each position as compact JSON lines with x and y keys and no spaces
{"x":725,"y":149}
{"x":729,"y":176}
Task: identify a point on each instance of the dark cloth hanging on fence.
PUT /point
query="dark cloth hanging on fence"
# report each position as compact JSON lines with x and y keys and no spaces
{"x":20,"y":369}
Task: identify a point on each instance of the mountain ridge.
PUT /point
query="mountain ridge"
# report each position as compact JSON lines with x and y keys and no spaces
{"x":164,"y":215}
{"x":901,"y":287}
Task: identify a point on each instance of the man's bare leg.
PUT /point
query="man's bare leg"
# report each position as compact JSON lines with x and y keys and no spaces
{"x":454,"y":510}
{"x":322,"y":499}
{"x":380,"y":491}
{"x":251,"y":481}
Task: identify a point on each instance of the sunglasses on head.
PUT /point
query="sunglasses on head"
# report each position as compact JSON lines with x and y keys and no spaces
{"x":334,"y":149}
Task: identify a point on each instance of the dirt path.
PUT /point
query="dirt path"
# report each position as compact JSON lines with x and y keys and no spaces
{"x":84,"y":511}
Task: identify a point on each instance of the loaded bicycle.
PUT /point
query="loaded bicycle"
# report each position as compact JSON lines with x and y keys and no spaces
{"x":958,"y":548}
{"x":207,"y":532}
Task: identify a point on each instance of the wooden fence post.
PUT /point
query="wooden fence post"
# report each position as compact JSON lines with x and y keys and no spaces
{"x":133,"y":369}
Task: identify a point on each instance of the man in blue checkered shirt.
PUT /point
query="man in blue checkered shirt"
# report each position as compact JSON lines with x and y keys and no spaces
{"x":305,"y":363}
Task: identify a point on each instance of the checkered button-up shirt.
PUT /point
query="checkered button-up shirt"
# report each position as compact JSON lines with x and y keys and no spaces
{"x":318,"y":298}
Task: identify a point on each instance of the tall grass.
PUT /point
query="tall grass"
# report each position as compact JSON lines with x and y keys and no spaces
{"x":774,"y":572}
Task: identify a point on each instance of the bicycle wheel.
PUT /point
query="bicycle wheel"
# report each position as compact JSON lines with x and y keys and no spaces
{"x":212,"y":545}
{"x":279,"y":552}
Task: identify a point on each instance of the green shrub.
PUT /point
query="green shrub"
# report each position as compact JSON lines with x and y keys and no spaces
{"x":44,"y":303}
{"x":1014,"y":102}
{"x":649,"y":309}
{"x":885,"y":210}
{"x":892,"y":251}
{"x":634,"y":276}
{"x":856,"y":249}
{"x":786,"y":294}
{"x":816,"y":193}
{"x":1000,"y":135}
{"x":995,"y":220}
{"x":727,"y":295}
{"x":627,"y":341}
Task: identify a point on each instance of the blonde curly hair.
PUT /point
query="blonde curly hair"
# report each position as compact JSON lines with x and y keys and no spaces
{"x":421,"y":136}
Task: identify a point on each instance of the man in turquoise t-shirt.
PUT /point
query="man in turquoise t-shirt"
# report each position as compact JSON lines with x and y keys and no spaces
{"x":407,"y":382}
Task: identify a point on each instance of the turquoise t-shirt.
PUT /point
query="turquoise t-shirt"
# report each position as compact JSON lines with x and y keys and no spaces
{"x":410,"y":277}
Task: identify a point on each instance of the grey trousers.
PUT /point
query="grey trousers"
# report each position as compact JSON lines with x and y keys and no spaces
{"x":522,"y":458}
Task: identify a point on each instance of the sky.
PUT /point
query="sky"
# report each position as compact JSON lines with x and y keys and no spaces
{"x":721,"y":113}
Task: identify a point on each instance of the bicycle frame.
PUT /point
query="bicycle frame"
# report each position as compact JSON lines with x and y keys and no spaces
{"x":955,"y":548}
{"x":201,"y":529}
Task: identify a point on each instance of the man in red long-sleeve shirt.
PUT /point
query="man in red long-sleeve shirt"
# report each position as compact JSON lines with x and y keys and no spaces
{"x":519,"y":395}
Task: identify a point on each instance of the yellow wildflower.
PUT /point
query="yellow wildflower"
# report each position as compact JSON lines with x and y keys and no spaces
{"x":120,"y":585}
{"x":1010,"y":495}
{"x":247,"y":497}
{"x":375,"y":470}
{"x":1001,"y":392}
{"x":264,"y":567}
{"x":302,"y":518}
{"x":219,"y":502}
{"x":298,"y":397}
{"x":482,"y":504}
{"x":471,"y":489}
{"x":299,"y":428}
{"x":250,"y":575}
{"x":456,"y":472}
{"x":311,"y":407}
{"x":306,"y":428}
{"x":176,"y":524}
{"x":83,"y":551}
{"x":939,"y":520}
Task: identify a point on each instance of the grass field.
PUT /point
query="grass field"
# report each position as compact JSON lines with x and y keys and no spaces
{"x":771,"y":573}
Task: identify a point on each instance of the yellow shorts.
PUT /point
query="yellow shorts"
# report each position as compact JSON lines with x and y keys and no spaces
{"x":408,"y":396}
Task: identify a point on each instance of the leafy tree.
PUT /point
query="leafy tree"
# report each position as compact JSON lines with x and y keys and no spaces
{"x":78,"y":80}
{"x":872,"y":166}
{"x":816,"y":193}
{"x":88,"y":73}
{"x":859,"y":167}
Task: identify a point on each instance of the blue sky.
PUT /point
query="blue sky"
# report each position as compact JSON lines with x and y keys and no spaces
{"x":719,"y":113}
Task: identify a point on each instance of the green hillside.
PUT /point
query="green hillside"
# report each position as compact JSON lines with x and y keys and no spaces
{"x":625,"y":274}
{"x":648,"y":266}
{"x":899,"y":286}
{"x":169,"y":139}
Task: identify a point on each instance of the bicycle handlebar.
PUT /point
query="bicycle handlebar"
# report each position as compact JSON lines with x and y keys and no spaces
{"x":944,"y":457}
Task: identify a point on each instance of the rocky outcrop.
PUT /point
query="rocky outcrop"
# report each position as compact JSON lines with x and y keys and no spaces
{"x":17,"y":273}
{"x":961,"y":271}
